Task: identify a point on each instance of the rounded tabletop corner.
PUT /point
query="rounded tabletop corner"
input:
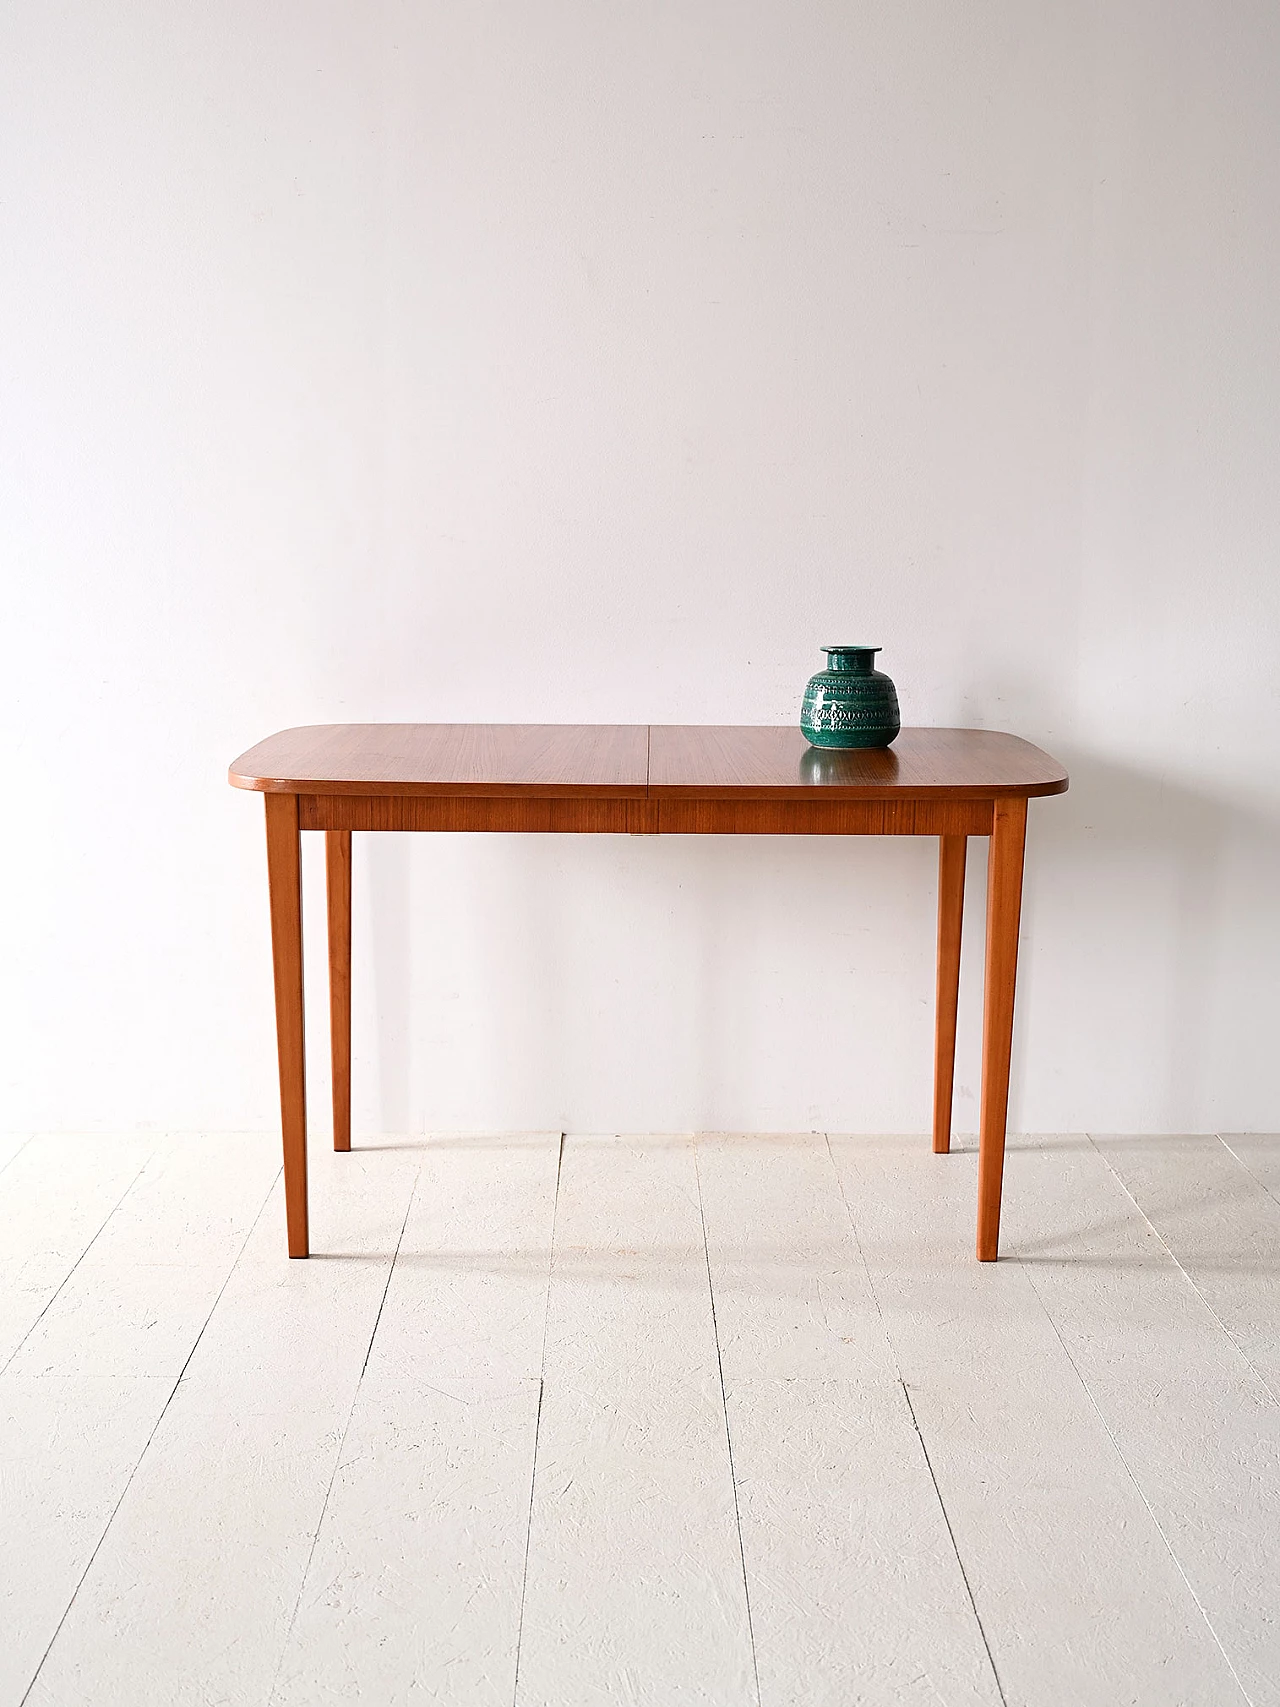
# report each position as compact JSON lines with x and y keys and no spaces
{"x":254,"y":768}
{"x":777,"y":762}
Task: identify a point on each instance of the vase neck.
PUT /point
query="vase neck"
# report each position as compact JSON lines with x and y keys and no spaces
{"x":851,"y":660}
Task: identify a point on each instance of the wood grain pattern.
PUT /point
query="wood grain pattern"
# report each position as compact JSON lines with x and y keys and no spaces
{"x":284,"y":875}
{"x":750,"y":817}
{"x":708,"y":762}
{"x":576,"y":814}
{"x":849,"y":817}
{"x":523,"y":761}
{"x":951,"y":860}
{"x":338,"y":884}
{"x":1004,"y":909}
{"x":500,"y":760}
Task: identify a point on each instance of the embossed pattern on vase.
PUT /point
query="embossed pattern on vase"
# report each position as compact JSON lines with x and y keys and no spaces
{"x":850,"y":704}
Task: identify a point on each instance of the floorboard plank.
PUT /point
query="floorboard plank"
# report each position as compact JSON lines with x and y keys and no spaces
{"x":1078,"y":1595}
{"x":90,"y":1381}
{"x":141,"y":1294}
{"x":1260,"y":1153}
{"x":55,"y":1197}
{"x":413,"y":1593}
{"x":10,"y":1144}
{"x":1222,"y":1227}
{"x":68,"y":1446}
{"x":856,"y":1592}
{"x":345,"y":1515}
{"x":1198,"y":1429}
{"x":191,"y":1594}
{"x":634,"y":1589}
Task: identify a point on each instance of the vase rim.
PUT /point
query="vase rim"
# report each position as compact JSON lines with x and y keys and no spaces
{"x":851,"y":648}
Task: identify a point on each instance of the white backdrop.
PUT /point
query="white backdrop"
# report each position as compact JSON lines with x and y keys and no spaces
{"x":567,"y":361}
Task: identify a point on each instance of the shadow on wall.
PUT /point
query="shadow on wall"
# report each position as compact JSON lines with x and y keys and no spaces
{"x":389,"y":902}
{"x":1147,"y":997}
{"x":392,"y":959}
{"x":1159,"y":901}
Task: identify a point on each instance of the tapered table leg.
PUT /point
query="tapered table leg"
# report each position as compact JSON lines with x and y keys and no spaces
{"x":1004,"y":907}
{"x":951,"y":854}
{"x":284,"y":871}
{"x":337,"y":847}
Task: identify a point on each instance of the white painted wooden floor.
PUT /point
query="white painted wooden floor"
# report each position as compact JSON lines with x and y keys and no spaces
{"x":660,"y":1421}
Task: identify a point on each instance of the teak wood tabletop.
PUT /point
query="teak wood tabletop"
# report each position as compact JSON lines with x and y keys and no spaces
{"x":646,"y":780}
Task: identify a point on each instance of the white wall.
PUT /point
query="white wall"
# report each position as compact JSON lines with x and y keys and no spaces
{"x":564,"y":362}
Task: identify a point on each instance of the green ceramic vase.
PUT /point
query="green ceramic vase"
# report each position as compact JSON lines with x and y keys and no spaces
{"x":850,"y":704}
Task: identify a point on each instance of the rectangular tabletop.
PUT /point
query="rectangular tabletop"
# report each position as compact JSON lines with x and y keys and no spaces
{"x":639,"y":762}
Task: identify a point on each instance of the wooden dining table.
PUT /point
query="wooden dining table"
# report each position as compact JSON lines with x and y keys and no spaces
{"x":637,"y":779}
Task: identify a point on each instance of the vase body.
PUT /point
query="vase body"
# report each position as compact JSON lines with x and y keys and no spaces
{"x":850,"y":703}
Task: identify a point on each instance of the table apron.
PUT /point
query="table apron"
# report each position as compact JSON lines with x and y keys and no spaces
{"x":587,"y":814}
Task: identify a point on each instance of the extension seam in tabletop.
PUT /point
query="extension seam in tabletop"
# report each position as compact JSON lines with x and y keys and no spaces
{"x":647,"y":779}
{"x":636,"y":762}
